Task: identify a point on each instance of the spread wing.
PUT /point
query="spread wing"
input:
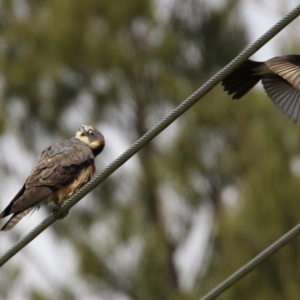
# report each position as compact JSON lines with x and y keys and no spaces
{"x":283,"y":87}
{"x":58,"y":165}
{"x":288,"y":67}
{"x":284,"y":95}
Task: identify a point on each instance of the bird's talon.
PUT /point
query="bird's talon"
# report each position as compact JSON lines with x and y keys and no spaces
{"x":58,"y":214}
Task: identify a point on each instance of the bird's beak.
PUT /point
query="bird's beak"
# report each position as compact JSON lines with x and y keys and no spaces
{"x":83,"y":128}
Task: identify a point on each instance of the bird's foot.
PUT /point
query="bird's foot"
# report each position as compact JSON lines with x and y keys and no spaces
{"x":58,"y":214}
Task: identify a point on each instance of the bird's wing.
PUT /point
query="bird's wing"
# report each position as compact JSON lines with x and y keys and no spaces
{"x":288,"y":67}
{"x":283,"y":94}
{"x":243,"y":79}
{"x":58,"y":165}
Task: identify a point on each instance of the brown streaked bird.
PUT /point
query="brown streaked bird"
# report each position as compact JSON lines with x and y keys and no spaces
{"x":280,"y":77}
{"x":61,"y":170}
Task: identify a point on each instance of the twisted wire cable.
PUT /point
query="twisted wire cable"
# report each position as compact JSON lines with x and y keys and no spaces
{"x":252,"y":264}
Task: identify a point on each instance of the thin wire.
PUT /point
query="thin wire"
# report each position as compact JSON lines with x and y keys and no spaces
{"x":146,"y":138}
{"x":257,"y":260}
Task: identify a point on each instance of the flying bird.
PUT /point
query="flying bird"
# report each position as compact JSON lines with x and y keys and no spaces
{"x":280,"y":77}
{"x":61,"y":170}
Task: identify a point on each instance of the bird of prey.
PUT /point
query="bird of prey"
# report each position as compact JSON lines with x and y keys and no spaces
{"x":61,"y":170}
{"x":280,"y":77}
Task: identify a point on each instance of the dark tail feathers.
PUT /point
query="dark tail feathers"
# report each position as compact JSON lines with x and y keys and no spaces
{"x":242,"y":80}
{"x":16,"y":217}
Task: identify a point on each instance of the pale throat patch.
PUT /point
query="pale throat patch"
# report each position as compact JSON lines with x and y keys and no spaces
{"x":79,"y":135}
{"x":95,"y":144}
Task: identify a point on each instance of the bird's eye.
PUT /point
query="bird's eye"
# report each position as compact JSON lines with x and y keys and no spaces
{"x":91,"y":132}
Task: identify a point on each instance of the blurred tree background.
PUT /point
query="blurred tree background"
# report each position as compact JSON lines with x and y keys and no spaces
{"x":202,"y":199}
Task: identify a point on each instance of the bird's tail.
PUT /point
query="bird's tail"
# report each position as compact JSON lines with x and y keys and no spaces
{"x":16,"y":217}
{"x":243,"y":79}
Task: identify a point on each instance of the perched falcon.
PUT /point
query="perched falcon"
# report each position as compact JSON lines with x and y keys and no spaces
{"x":61,"y":170}
{"x":280,"y":77}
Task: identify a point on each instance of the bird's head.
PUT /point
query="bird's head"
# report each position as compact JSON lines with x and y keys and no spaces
{"x":92,"y":137}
